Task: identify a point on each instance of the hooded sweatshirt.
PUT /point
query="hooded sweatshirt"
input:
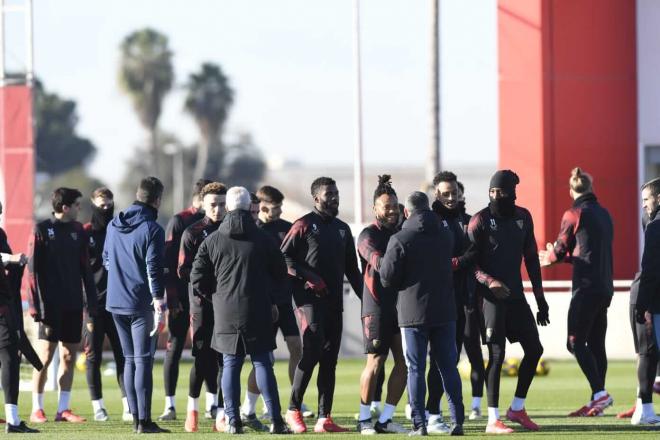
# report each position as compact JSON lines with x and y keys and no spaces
{"x":133,"y":256}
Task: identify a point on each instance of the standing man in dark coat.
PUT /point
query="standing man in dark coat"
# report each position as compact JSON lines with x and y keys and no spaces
{"x":648,"y":298}
{"x":234,"y":267}
{"x":418,"y":264}
{"x":319,"y":250}
{"x":585,"y":241}
{"x":642,"y":412}
{"x":176,"y":289}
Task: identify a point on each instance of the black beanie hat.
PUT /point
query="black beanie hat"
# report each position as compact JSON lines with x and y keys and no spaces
{"x":506,"y":180}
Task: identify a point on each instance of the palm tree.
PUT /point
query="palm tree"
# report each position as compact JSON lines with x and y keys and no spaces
{"x":146,"y":76}
{"x":208,"y":101}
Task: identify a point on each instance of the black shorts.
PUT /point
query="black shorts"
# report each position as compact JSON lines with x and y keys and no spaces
{"x":286,"y":321}
{"x":644,"y":342}
{"x":62,"y":326}
{"x":587,"y":314}
{"x":201,"y":326}
{"x":378,"y":331}
{"x":507,"y":320}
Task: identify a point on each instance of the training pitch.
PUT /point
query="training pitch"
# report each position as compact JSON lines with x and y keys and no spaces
{"x":550,"y":399}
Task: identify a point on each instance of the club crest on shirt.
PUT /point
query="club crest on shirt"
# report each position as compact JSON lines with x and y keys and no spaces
{"x":493,"y":225}
{"x":445,"y":224}
{"x":92,"y":243}
{"x":74,"y":236}
{"x":342,"y":232}
{"x":205,"y":234}
{"x":520,"y":223}
{"x":315,"y":229}
{"x":51,"y":233}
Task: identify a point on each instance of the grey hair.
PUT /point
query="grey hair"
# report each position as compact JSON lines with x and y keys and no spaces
{"x":238,"y":198}
{"x":417,"y":201}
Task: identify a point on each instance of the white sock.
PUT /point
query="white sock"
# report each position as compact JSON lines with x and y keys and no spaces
{"x":517,"y":403}
{"x":124,"y":402}
{"x":97,"y":405}
{"x":600,"y":394}
{"x":365,"y":412}
{"x":211,"y":401}
{"x":11,"y":414}
{"x":169,"y":402}
{"x":647,"y":410}
{"x":476,"y":402}
{"x":220,"y":414}
{"x":432,"y":419}
{"x":250,"y":405}
{"x":37,"y":401}
{"x":387,"y":413}
{"x":65,"y":400}
{"x":321,"y":420}
{"x":375,"y":404}
{"x":193,"y":404}
{"x":493,"y":415}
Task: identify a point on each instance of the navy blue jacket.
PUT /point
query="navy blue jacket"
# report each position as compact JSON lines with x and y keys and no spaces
{"x":418,"y":264}
{"x":134,"y":256}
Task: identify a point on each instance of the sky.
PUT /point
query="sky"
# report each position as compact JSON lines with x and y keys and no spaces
{"x":291,"y":65}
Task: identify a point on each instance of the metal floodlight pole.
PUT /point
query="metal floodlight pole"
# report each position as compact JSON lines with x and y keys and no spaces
{"x":29,"y":42}
{"x":357,"y":158}
{"x":2,"y":43}
{"x":433,"y":160}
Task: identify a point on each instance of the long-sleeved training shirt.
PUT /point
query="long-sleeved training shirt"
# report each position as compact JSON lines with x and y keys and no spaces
{"x":321,"y":247}
{"x":277,"y":229}
{"x":177,"y":289}
{"x":585,"y":240}
{"x":372,"y":244}
{"x":59,"y":268}
{"x":500,"y":244}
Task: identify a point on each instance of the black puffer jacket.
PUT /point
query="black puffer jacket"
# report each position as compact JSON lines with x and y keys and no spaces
{"x":235,"y":266}
{"x":648,"y":298}
{"x":418,"y":264}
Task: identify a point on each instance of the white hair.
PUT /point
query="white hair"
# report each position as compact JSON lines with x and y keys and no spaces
{"x":238,"y":198}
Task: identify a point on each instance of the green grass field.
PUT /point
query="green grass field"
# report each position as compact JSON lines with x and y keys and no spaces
{"x":550,"y":399}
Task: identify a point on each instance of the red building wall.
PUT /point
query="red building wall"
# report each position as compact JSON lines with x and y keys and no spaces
{"x":17,"y":164}
{"x":568,"y":97}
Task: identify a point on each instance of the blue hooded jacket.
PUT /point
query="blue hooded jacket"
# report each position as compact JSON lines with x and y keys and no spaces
{"x":134,"y":256}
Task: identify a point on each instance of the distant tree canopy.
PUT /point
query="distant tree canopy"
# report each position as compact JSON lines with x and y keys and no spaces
{"x":59,"y":148}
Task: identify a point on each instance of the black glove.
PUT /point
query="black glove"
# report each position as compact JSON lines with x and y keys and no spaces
{"x":640,"y":314}
{"x":542,"y":316}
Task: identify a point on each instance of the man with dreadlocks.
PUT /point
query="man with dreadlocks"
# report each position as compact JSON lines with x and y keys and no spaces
{"x":380,"y":327}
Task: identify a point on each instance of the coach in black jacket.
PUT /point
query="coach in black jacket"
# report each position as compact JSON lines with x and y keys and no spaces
{"x":648,"y":299}
{"x":234,"y":266}
{"x":418,"y":264}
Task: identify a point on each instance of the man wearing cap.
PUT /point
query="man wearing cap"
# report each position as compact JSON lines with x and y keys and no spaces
{"x":502,"y":234}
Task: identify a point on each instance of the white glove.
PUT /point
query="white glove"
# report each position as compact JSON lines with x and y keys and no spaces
{"x":160,"y":312}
